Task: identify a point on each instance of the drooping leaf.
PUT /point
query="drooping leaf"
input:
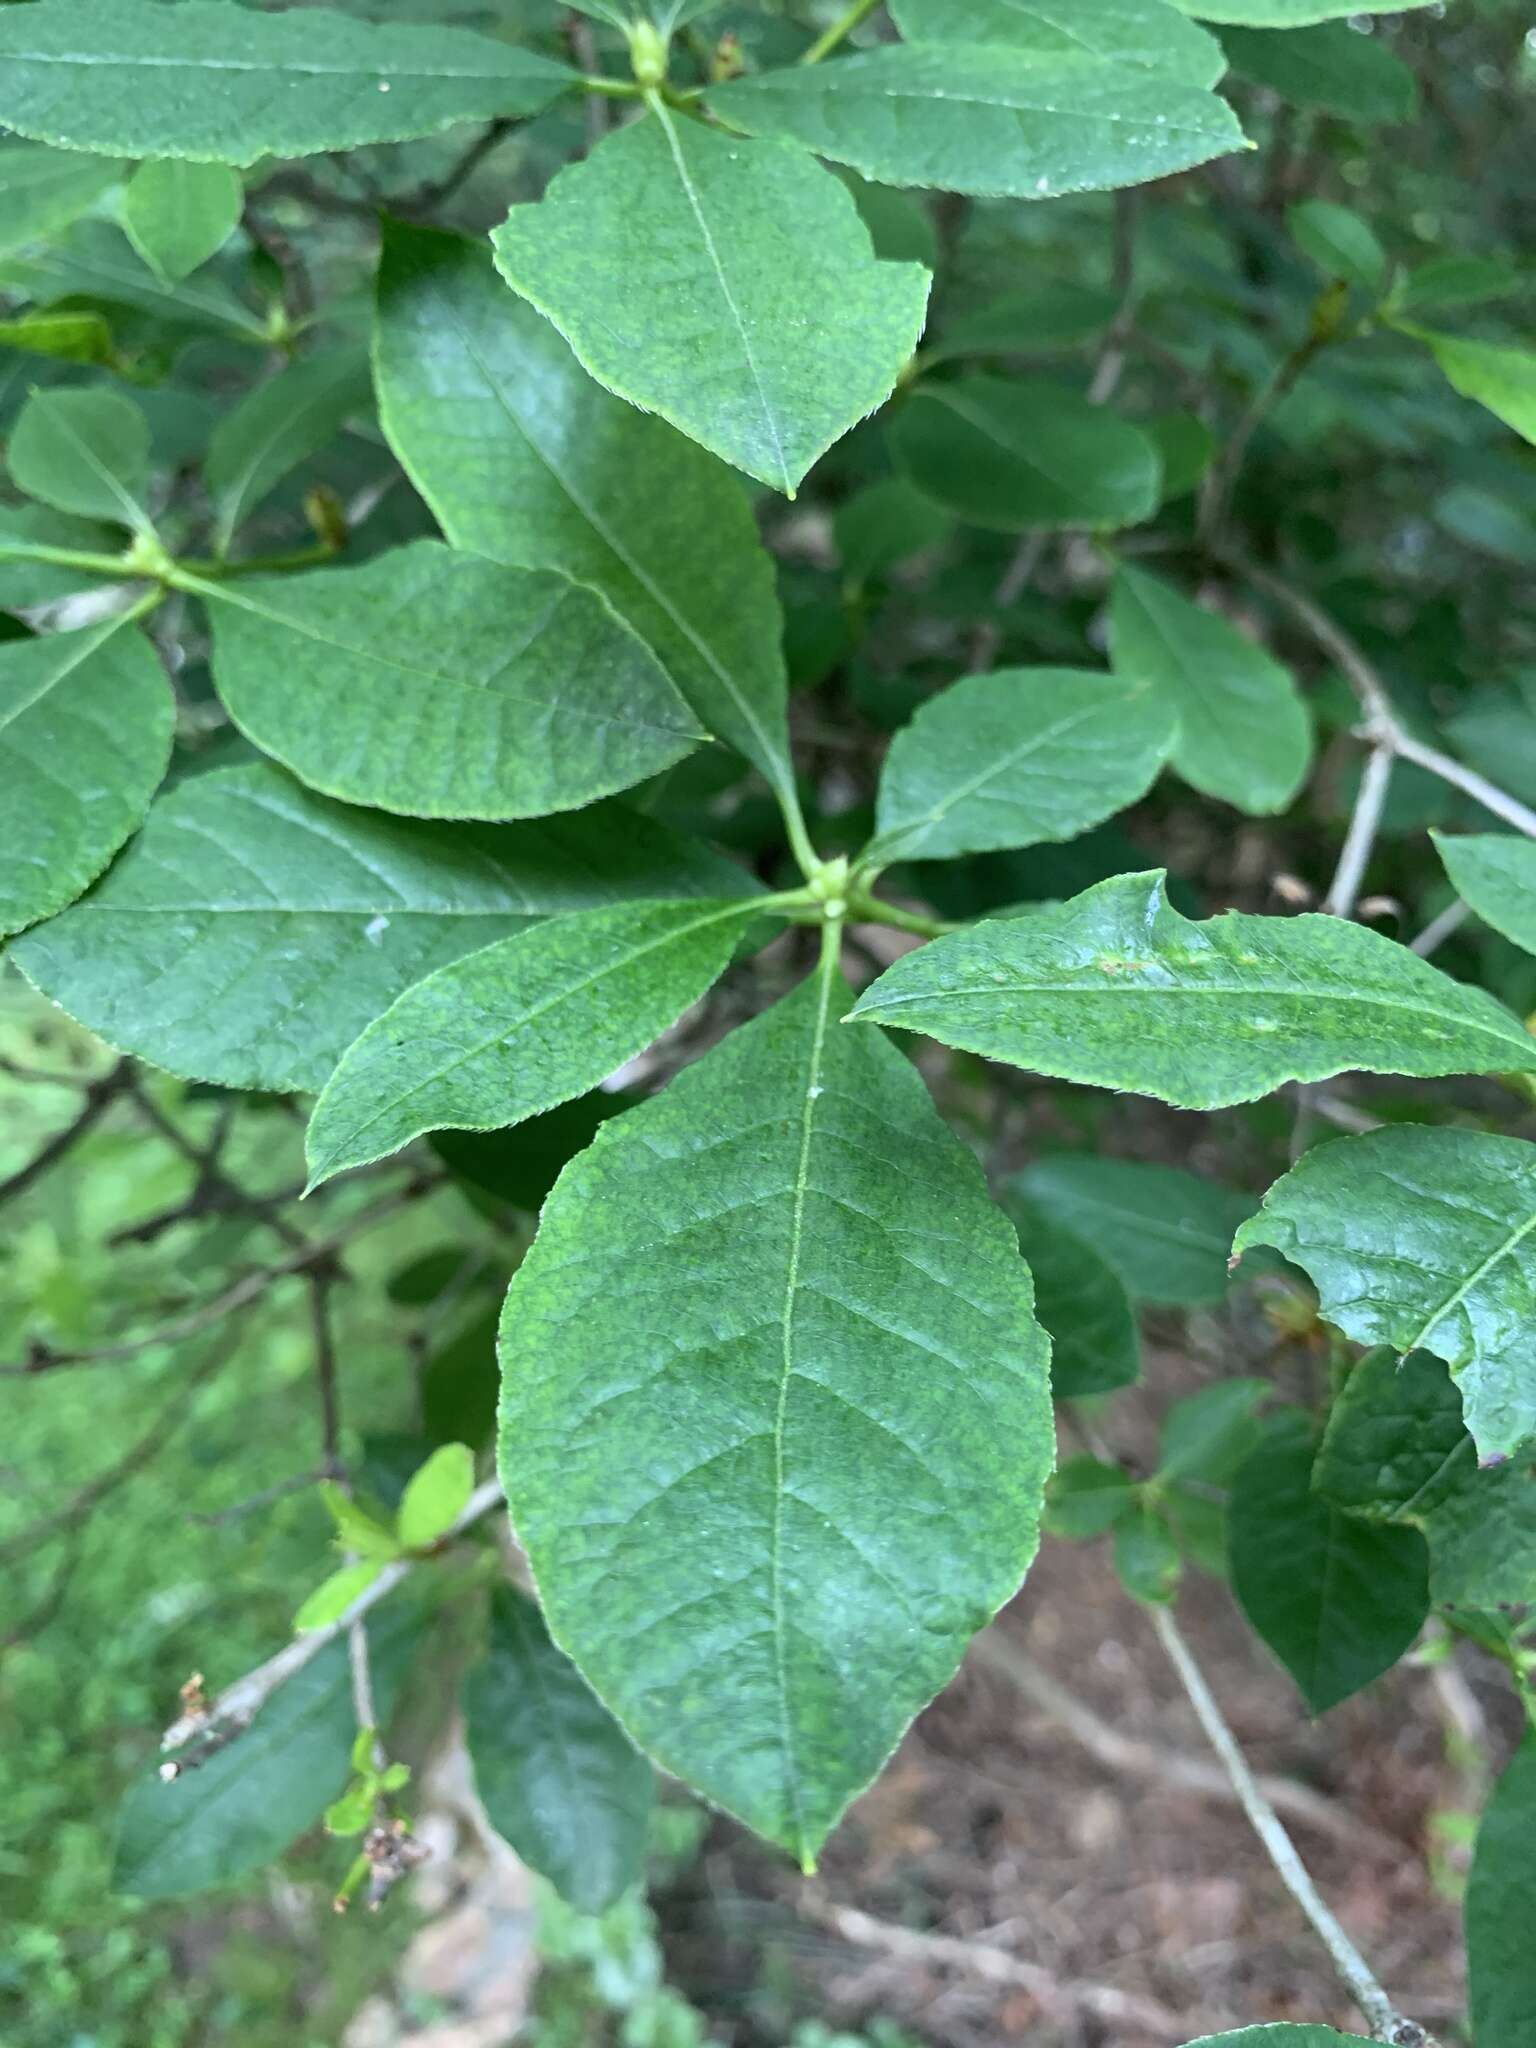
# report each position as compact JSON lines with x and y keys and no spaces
{"x":1016,"y":456}
{"x":254,"y":929}
{"x":1016,"y":757}
{"x":523,"y":458}
{"x":525,"y":1023}
{"x":1081,"y":1302}
{"x":1116,"y":989}
{"x":1503,"y":379}
{"x":224,"y":84}
{"x":86,"y":721}
{"x":1501,"y":1908}
{"x":763,"y":1305}
{"x":177,"y":214}
{"x":276,"y":426}
{"x":441,"y":685}
{"x":1142,"y":32}
{"x":558,"y":1777}
{"x":85,"y":452}
{"x":1329,"y":67}
{"x":1494,"y":873}
{"x":764,"y":344}
{"x":436,"y":1496}
{"x":1167,"y":1233}
{"x":985,"y":119}
{"x":1244,"y":734}
{"x":1421,"y":1238}
{"x":1289,"y":13}
{"x":43,"y":190}
{"x":1337,"y":1599}
{"x":1336,"y":239}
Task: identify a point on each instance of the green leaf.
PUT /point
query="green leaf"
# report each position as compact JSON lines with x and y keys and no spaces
{"x":1086,"y":1497}
{"x":525,"y":1023}
{"x":558,"y":1777}
{"x":1016,"y":757}
{"x":436,"y":1496}
{"x":254,"y":929}
{"x":25,"y":581}
{"x":1331,"y":67}
{"x":764,"y":1305}
{"x":1336,"y":1598}
{"x":95,"y":260}
{"x":1142,"y":32}
{"x":1501,"y":1908}
{"x":246,"y":1802}
{"x":1050,"y":315}
{"x":1281,"y":2035}
{"x":1117,"y":990}
{"x":1289,"y":13}
{"x":1396,"y":1448}
{"x":986,"y":119}
{"x":1495,"y":875}
{"x":68,"y":337}
{"x":355,"y":1527}
{"x":224,"y":84}
{"x":441,"y":685}
{"x":1082,"y":1304}
{"x":1017,"y":456}
{"x":1166,"y":1233}
{"x":43,"y":190}
{"x":666,"y":259}
{"x":524,"y":459}
{"x":333,"y":1596}
{"x":86,"y":721}
{"x":1147,"y":1560}
{"x":1503,"y":379}
{"x":276,"y":426}
{"x":352,"y":1812}
{"x":885,"y":524}
{"x":1458,"y":281}
{"x":1421,"y":1238}
{"x":85,"y":452}
{"x":1208,"y":1435}
{"x":178,"y":214}
{"x":1336,"y":239}
{"x":1244,"y":734}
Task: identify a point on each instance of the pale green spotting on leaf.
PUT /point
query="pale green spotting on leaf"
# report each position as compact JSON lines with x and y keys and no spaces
{"x":1501,"y":1908}
{"x":440,"y":685}
{"x":524,"y":459}
{"x":1115,"y":989}
{"x":86,"y":722}
{"x":253,"y":929}
{"x":1423,"y":1239}
{"x":1082,"y":1303}
{"x":523,"y":1024}
{"x":1337,"y":240}
{"x":43,"y":190}
{"x":1244,"y":733}
{"x":1494,"y":873}
{"x":1167,"y":1233}
{"x":1331,"y":67}
{"x":435,"y":1496}
{"x":85,"y":452}
{"x":1142,"y":32}
{"x":728,"y":285}
{"x":274,"y":427}
{"x":559,"y":1779}
{"x":763,"y":1305}
{"x":333,"y":1596}
{"x":986,"y":119}
{"x":177,"y":214}
{"x":1020,"y":455}
{"x":224,"y":84}
{"x":1338,"y":1599}
{"x":1289,"y":13}
{"x":1016,"y":757}
{"x":1503,"y":379}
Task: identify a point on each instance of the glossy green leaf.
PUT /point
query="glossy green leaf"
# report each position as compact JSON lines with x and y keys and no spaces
{"x":1141,"y":32}
{"x":178,"y":214}
{"x":254,"y":929}
{"x":1017,"y":456}
{"x":86,"y":720}
{"x":1421,"y":1238}
{"x":1396,"y":1448}
{"x":1208,"y":1435}
{"x":763,"y":1305}
{"x":524,"y":459}
{"x":85,"y":452}
{"x":1147,"y":1560}
{"x":765,"y":345}
{"x":1501,"y":1908}
{"x":1167,"y":1233}
{"x":333,"y":1596}
{"x":558,"y":1777}
{"x":1086,"y":1497}
{"x":1503,"y":379}
{"x":436,"y":1496}
{"x":986,"y":119}
{"x":276,"y":426}
{"x":441,"y":685}
{"x":1116,"y":989}
{"x":43,"y":190}
{"x":1016,"y":757}
{"x":1337,"y":1599}
{"x":1082,"y":1303}
{"x":1289,"y":13}
{"x":525,"y":1023}
{"x":1331,"y":67}
{"x":1244,"y":734}
{"x":1336,"y":239}
{"x":1494,"y":873}
{"x":226,"y":84}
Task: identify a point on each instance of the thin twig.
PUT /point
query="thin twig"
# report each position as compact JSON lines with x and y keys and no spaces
{"x":280,"y":1488}
{"x":99,"y":1096}
{"x":1360,"y":839}
{"x":1439,"y":929}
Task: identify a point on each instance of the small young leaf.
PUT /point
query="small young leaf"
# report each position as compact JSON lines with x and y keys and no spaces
{"x":351,"y":1813}
{"x":1086,"y":1497}
{"x":1141,"y":32}
{"x":1209,"y":1434}
{"x":83,"y":451}
{"x":66,"y":337}
{"x":436,"y":1496}
{"x":1329,"y":67}
{"x":1117,"y":990}
{"x":558,"y":1777}
{"x":178,"y":214}
{"x":1503,"y":379}
{"x":1147,"y":1560}
{"x":1082,"y":1303}
{"x":43,"y":190}
{"x":1337,"y":240}
{"x":276,"y":426}
{"x":1494,"y":873}
{"x":355,"y":1526}
{"x":1501,"y":1908}
{"x":333,"y":1596}
{"x":1167,"y":1233}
